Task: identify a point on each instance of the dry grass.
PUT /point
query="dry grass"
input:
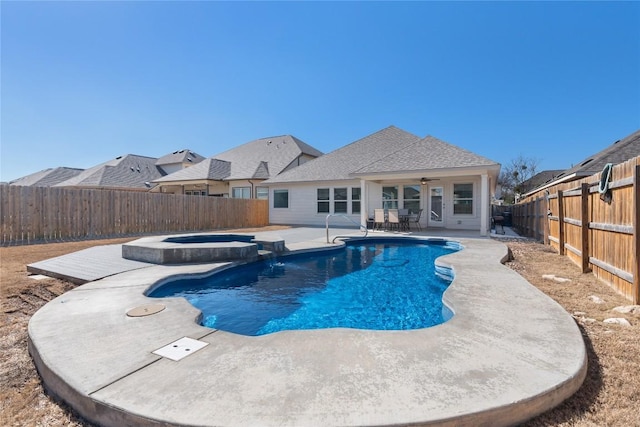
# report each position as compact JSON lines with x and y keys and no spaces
{"x":609,"y":396}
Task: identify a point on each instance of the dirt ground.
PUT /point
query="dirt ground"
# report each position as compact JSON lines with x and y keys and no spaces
{"x":608,"y":397}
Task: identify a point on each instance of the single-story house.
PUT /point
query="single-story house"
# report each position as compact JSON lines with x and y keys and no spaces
{"x":390,"y":168}
{"x":239,"y":172}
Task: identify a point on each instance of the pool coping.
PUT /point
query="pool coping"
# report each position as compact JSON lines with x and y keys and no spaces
{"x":508,"y":354}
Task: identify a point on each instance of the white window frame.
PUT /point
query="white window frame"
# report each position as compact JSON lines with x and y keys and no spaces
{"x":456,"y":199}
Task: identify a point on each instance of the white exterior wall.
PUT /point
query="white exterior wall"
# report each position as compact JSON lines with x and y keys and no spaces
{"x":303,"y":199}
{"x":302,"y":208}
{"x":460,"y":222}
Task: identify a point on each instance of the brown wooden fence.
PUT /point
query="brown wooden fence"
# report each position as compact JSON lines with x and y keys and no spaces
{"x":598,"y":235}
{"x":41,"y":214}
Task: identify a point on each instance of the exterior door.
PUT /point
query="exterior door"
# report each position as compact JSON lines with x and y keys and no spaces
{"x":435,"y":211}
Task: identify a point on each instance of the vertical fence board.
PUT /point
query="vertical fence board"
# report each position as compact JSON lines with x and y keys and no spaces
{"x":584,"y":228}
{"x":636,"y":235}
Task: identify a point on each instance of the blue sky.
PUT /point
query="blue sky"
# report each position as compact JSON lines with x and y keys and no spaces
{"x":84,"y":82}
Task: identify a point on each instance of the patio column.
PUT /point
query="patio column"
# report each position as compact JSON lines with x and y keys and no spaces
{"x":364,"y":203}
{"x":484,"y":204}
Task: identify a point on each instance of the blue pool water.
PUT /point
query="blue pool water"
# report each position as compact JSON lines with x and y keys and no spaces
{"x":367,"y":285}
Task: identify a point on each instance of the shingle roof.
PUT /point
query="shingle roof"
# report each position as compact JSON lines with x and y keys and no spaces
{"x":388,"y":150}
{"x":180,"y":156}
{"x":210,"y":168}
{"x":426,"y":154}
{"x":340,"y":163}
{"x":129,"y":171}
{"x":47,"y":177}
{"x":277,"y":152}
{"x":258,"y":159}
{"x":618,"y":152}
{"x":539,"y":179}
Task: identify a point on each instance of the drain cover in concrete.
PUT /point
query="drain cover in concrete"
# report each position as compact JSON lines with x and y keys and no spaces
{"x":180,"y":349}
{"x":145,"y":310}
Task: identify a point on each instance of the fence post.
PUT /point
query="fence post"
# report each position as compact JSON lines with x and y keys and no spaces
{"x":561,"y":249}
{"x":535,"y":219}
{"x":545,"y":223}
{"x":584,"y":228}
{"x":636,"y":235}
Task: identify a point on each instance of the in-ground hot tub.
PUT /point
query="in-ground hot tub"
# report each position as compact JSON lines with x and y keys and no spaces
{"x":200,"y":248}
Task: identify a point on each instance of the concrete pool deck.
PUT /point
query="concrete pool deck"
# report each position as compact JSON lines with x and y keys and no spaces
{"x":508,"y":354}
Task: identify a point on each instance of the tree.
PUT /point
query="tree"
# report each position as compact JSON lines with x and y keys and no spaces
{"x":514,"y":175}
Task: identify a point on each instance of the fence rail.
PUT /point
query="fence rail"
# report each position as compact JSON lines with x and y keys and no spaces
{"x":596,"y":233}
{"x":42,"y":214}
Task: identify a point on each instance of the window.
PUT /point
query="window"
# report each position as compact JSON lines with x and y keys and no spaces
{"x":463,"y":199}
{"x":411,"y":198}
{"x":323,"y":200}
{"x":390,"y":197}
{"x":340,"y":200}
{"x":280,"y":198}
{"x":195,"y":193}
{"x":241,"y":192}
{"x":262,"y":193}
{"x":355,"y":200}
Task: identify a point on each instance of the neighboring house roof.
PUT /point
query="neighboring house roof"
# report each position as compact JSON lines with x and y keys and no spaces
{"x":210,"y":168}
{"x":47,"y":177}
{"x":618,"y":152}
{"x":265,"y":157}
{"x":180,"y":156}
{"x":539,"y":179}
{"x":259,"y":159}
{"x":389,"y":150}
{"x":128,"y":171}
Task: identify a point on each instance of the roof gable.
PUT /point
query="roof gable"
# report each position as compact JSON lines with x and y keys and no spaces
{"x":180,"y":156}
{"x":341,"y":163}
{"x":262,"y":171}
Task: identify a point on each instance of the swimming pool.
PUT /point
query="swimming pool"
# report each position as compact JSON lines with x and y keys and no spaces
{"x":373,"y":284}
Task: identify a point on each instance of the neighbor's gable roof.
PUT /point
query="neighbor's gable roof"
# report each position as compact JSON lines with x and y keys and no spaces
{"x":541,"y":178}
{"x":129,"y":171}
{"x":180,"y":156}
{"x":390,"y":150}
{"x":208,"y":169}
{"x":341,"y":163}
{"x":47,"y":177}
{"x":259,"y":159}
{"x":265,"y":157}
{"x":618,"y":152}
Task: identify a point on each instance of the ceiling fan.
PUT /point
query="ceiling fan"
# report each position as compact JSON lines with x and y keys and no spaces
{"x":424,"y":180}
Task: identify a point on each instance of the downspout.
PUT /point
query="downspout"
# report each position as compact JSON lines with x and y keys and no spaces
{"x":253,"y":195}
